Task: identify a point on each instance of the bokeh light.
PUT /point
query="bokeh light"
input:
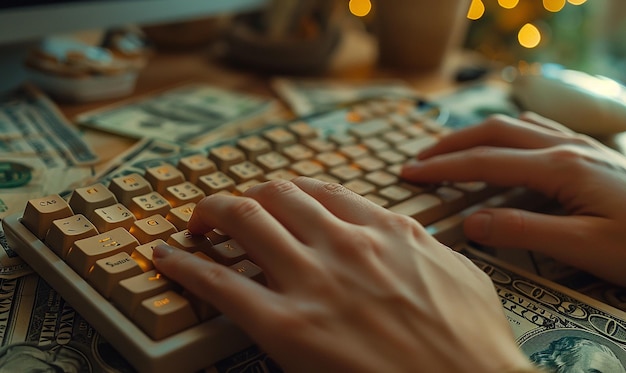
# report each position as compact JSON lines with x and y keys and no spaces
{"x":529,"y":36}
{"x":476,"y":10}
{"x":553,"y":5}
{"x":508,"y":4}
{"x":360,"y":8}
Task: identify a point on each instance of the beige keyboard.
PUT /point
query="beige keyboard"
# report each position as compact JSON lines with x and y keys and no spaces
{"x":95,"y":247}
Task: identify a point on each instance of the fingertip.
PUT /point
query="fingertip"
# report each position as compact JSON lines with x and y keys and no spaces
{"x":162,"y":251}
{"x":478,"y":227}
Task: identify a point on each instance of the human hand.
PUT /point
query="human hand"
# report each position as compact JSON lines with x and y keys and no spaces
{"x":352,"y":287}
{"x":585,"y":177}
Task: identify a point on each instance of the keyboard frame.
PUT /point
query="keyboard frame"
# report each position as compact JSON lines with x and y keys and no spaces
{"x":177,"y":353}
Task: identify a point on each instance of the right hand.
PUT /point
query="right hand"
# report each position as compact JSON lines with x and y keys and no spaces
{"x":585,"y":177}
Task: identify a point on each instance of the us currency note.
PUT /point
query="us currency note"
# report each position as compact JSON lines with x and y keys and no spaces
{"x":40,"y":154}
{"x":40,"y":332}
{"x":545,"y":315}
{"x":184,"y":115}
{"x":306,"y":97}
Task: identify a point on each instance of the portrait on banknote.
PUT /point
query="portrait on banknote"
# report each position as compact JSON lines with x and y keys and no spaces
{"x":574,"y":350}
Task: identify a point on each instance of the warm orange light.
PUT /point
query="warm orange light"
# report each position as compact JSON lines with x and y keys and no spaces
{"x":576,"y":2}
{"x":360,"y":8}
{"x":476,"y":10}
{"x":529,"y":36}
{"x":553,"y":5}
{"x":508,"y":4}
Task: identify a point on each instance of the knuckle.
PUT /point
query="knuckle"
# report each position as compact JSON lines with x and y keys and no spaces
{"x":243,"y":208}
{"x":404,"y":224}
{"x":568,"y":159}
{"x":273,"y":188}
{"x":335,"y":189}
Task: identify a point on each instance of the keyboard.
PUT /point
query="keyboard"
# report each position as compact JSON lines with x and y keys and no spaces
{"x":94,"y":246}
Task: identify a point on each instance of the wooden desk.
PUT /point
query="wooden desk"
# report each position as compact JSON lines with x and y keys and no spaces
{"x":354,"y":59}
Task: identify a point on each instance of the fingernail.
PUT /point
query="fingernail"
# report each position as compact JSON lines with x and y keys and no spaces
{"x":161,"y":251}
{"x":478,"y":226}
{"x":411,"y":164}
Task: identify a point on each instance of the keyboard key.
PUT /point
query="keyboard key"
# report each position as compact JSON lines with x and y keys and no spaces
{"x":425,"y":208}
{"x":280,"y":138}
{"x":107,"y":272}
{"x":126,"y":187}
{"x":143,"y":254}
{"x":85,"y":252}
{"x":163,"y":176}
{"x":302,"y":130}
{"x":191,"y":243}
{"x":245,"y":171}
{"x":226,"y":156}
{"x":179,"y":216}
{"x":86,"y":200}
{"x":63,"y":233}
{"x":215,"y":182}
{"x":148,"y":205}
{"x":39,"y":213}
{"x":152,"y":228}
{"x":111,"y":217}
{"x":227,"y":253}
{"x":183,"y":193}
{"x":273,"y":161}
{"x":194,"y":166}
{"x":165,"y":314}
{"x":298,"y":152}
{"x":250,"y":270}
{"x":130,"y":292}
{"x":253,"y":146}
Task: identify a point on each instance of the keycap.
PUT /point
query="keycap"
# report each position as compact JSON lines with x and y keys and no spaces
{"x":179,"y":216}
{"x":194,"y":166}
{"x":165,"y":314}
{"x":107,"y":272}
{"x":84,"y":253}
{"x":149,"y":204}
{"x":128,"y":186}
{"x":163,"y":176}
{"x":111,"y":217}
{"x":152,"y":228}
{"x":39,"y":213}
{"x":130,"y":292}
{"x":183,"y":193}
{"x":63,"y":233}
{"x":226,"y":156}
{"x":85,"y":200}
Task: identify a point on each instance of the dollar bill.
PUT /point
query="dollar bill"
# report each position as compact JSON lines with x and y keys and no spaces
{"x":40,"y":332}
{"x":184,"y":115}
{"x":306,"y":96}
{"x":545,"y":315}
{"x":473,"y":103}
{"x":40,"y":154}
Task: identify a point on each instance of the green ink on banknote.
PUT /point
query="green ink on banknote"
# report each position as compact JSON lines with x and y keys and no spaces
{"x":14,"y":175}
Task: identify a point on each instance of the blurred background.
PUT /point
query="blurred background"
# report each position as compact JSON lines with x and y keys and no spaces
{"x":586,"y":35}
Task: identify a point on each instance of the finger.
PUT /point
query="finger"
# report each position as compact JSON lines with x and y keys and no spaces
{"x":241,"y":299}
{"x":496,"y":166}
{"x":497,"y":131}
{"x":300,"y":213}
{"x":267,"y":241}
{"x":342,"y":202}
{"x":538,"y":120}
{"x":574,"y":240}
